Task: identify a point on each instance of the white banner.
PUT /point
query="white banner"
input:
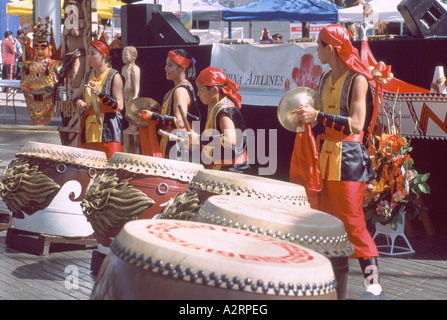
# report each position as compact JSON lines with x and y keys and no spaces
{"x":266,"y":71}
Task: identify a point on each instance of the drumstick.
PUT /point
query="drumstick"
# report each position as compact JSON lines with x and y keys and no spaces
{"x":170,"y":136}
{"x":182,"y":113}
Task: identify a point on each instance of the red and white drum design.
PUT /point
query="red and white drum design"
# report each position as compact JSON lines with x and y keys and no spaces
{"x":304,"y":226}
{"x":45,"y":185}
{"x":174,"y":259}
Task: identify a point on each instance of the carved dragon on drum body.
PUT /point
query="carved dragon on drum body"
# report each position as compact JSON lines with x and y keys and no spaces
{"x":26,"y":189}
{"x":111,"y":202}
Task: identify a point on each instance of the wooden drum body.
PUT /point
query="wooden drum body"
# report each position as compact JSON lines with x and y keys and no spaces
{"x":133,"y":186}
{"x":304,"y":226}
{"x":172,"y":259}
{"x":45,"y":185}
{"x":207,"y":183}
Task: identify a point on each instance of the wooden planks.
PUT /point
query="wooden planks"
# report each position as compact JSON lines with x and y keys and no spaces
{"x":33,"y":277}
{"x":419,"y":276}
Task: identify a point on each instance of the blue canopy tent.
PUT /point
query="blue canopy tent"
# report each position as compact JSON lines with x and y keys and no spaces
{"x":7,"y":23}
{"x":284,"y":10}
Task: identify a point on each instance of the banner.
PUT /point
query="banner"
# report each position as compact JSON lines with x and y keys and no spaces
{"x":266,"y":71}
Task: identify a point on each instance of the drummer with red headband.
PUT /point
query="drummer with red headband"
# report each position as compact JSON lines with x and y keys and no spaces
{"x":180,"y":69}
{"x":224,"y":123}
{"x":344,"y":162}
{"x":100,"y":102}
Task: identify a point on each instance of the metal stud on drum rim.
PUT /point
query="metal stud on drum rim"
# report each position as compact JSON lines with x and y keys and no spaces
{"x":305,"y":226}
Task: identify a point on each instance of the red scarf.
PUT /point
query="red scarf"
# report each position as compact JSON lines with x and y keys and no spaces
{"x":215,"y":77}
{"x":338,"y":36}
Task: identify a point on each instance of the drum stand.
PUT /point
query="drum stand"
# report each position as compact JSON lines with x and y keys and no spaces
{"x":391,"y":235}
{"x":40,"y":244}
{"x":5,"y":221}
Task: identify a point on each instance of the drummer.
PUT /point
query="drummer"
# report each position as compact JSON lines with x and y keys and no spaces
{"x":100,"y":128}
{"x":224,"y":122}
{"x":180,"y":69}
{"x":344,"y":162}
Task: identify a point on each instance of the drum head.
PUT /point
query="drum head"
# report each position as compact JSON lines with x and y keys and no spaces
{"x":310,"y":228}
{"x":152,"y":166}
{"x":291,"y":101}
{"x":230,"y":183}
{"x":63,"y":154}
{"x":223,"y":258}
{"x":133,"y":108}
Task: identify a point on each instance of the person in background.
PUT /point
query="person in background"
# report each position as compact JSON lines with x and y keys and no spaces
{"x":103,"y":87}
{"x":277,"y":38}
{"x":180,"y":69}
{"x":225,"y":123}
{"x":8,"y":57}
{"x":345,"y":165}
{"x":18,"y":42}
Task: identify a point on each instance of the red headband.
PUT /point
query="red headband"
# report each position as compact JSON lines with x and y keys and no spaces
{"x":101,"y":47}
{"x":178,"y":59}
{"x":215,"y":77}
{"x":338,"y":36}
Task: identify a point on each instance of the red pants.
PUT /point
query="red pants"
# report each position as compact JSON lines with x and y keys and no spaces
{"x":344,"y":199}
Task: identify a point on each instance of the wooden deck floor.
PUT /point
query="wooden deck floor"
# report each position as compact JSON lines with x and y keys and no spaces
{"x":419,"y":276}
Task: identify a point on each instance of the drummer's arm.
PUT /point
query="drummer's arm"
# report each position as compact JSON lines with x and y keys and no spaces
{"x":181,"y":97}
{"x":229,"y":131}
{"x":181,"y":100}
{"x":358,"y":104}
{"x":115,"y":101}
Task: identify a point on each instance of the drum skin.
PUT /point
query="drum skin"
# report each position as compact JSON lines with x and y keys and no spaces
{"x":207,"y":183}
{"x":212,"y":182}
{"x":44,"y":187}
{"x":170,"y":259}
{"x":304,"y":226}
{"x":133,"y":187}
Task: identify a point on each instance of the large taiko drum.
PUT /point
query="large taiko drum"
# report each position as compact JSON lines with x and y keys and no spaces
{"x":207,"y":183}
{"x":304,"y":226}
{"x":133,"y":187}
{"x":45,"y":185}
{"x":172,"y":259}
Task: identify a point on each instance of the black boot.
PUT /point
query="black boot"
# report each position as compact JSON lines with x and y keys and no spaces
{"x":370,"y":269}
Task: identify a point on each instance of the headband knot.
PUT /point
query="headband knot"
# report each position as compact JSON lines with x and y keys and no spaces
{"x":338,"y":37}
{"x":215,"y":77}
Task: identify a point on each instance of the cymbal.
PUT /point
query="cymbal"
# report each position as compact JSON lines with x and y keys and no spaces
{"x":137,"y":104}
{"x":291,"y":101}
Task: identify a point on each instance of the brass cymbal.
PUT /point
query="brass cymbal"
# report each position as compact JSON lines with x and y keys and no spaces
{"x":134,"y":107}
{"x":291,"y":101}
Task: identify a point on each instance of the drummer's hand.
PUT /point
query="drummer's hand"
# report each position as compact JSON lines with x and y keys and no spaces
{"x":95,"y":89}
{"x":82,"y":106}
{"x":305,"y":113}
{"x":193,"y":140}
{"x":145,"y":114}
